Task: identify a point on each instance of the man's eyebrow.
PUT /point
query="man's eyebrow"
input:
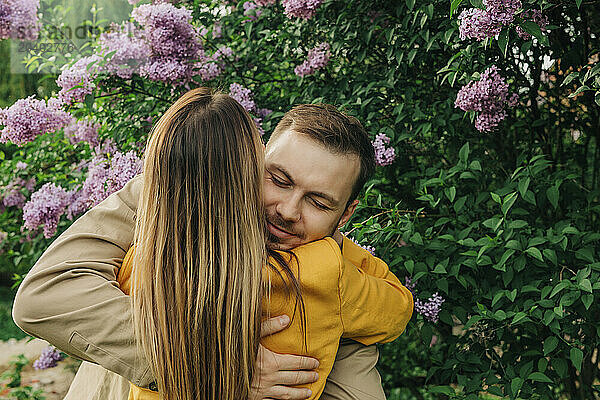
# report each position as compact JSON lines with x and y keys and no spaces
{"x":284,"y":172}
{"x":333,"y":202}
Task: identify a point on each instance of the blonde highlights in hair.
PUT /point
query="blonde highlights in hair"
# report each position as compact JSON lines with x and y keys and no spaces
{"x":200,"y":246}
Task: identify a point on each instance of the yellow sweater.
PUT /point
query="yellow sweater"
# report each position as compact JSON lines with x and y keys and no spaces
{"x":354,"y":296}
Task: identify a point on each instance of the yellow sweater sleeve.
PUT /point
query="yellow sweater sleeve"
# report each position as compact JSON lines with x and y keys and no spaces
{"x":375,"y":306}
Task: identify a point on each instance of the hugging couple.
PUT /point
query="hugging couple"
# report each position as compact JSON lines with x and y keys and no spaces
{"x":177,"y":287}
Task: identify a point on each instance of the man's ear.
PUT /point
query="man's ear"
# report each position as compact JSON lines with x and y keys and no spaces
{"x":347,"y":213}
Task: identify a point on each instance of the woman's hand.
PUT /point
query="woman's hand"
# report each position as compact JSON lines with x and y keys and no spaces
{"x":275,"y":373}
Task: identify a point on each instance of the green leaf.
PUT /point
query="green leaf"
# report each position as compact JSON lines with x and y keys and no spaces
{"x":475,"y":165}
{"x":507,"y":254}
{"x":410,"y":266}
{"x":496,"y":198}
{"x":459,"y":204}
{"x":529,"y":197}
{"x":89,"y":101}
{"x":585,"y":254}
{"x":503,"y":41}
{"x":550,"y":255}
{"x":535,"y":253}
{"x":454,"y":5}
{"x":450,"y":193}
{"x":552,"y":194}
{"x":578,"y":3}
{"x":550,"y":344}
{"x":587,"y":300}
{"x":515,"y":386}
{"x":513,"y":244}
{"x":511,"y":295}
{"x":569,"y":78}
{"x":497,"y":297}
{"x":463,"y":154}
{"x":410,"y":4}
{"x":518,"y":317}
{"x":560,"y":366}
{"x":576,"y":356}
{"x":517,"y":224}
{"x":560,"y":286}
{"x":447,"y":390}
{"x":473,"y":320}
{"x":416,"y":238}
{"x":523,"y":186}
{"x":508,"y":202}
{"x":439,"y":269}
{"x":534,"y":30}
{"x":586,"y":285}
{"x":539,"y":377}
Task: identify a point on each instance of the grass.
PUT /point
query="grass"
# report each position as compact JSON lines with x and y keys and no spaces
{"x":8,"y":329}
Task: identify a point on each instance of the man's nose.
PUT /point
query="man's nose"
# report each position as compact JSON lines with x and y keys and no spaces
{"x":289,"y":208}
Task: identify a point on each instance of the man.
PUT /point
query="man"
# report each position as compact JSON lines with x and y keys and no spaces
{"x":317,"y":161}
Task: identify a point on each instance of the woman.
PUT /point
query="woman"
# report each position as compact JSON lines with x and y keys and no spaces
{"x":199,"y":254}
{"x":200,"y":236}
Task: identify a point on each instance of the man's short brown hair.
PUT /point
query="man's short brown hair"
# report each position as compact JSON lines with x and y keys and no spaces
{"x":338,"y":132}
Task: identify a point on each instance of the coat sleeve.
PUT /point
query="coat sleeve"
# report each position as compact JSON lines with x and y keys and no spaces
{"x":71,"y":297}
{"x":375,"y":306}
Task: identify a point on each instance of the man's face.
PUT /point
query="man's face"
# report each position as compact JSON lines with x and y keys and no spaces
{"x":306,"y":189}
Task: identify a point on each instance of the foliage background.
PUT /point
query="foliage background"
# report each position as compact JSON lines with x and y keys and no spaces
{"x":503,"y":225}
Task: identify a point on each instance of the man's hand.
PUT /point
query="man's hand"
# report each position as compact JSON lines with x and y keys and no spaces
{"x":274,"y":373}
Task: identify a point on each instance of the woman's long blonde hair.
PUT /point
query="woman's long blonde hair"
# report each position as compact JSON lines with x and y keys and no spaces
{"x":200,"y":247}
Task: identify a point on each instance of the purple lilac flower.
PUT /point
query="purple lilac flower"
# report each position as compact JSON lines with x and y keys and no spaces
{"x":251,"y":11}
{"x":488,"y":96}
{"x":243,"y":96}
{"x":123,"y":168}
{"x":104,"y":178}
{"x":383,"y":155}
{"x":129,"y":47}
{"x":45,"y":208}
{"x":304,"y":9}
{"x":481,"y":24}
{"x":535,"y":16}
{"x":29,"y":118}
{"x":172,"y":39}
{"x":49,"y":358}
{"x":21,"y":165}
{"x":19,"y":19}
{"x":30,"y":184}
{"x":82,"y":131}
{"x":430,"y":308}
{"x":263,"y":112}
{"x":265,"y":3}
{"x":13,"y":197}
{"x":317,"y":58}
{"x":217,"y":31}
{"x":76,"y":81}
